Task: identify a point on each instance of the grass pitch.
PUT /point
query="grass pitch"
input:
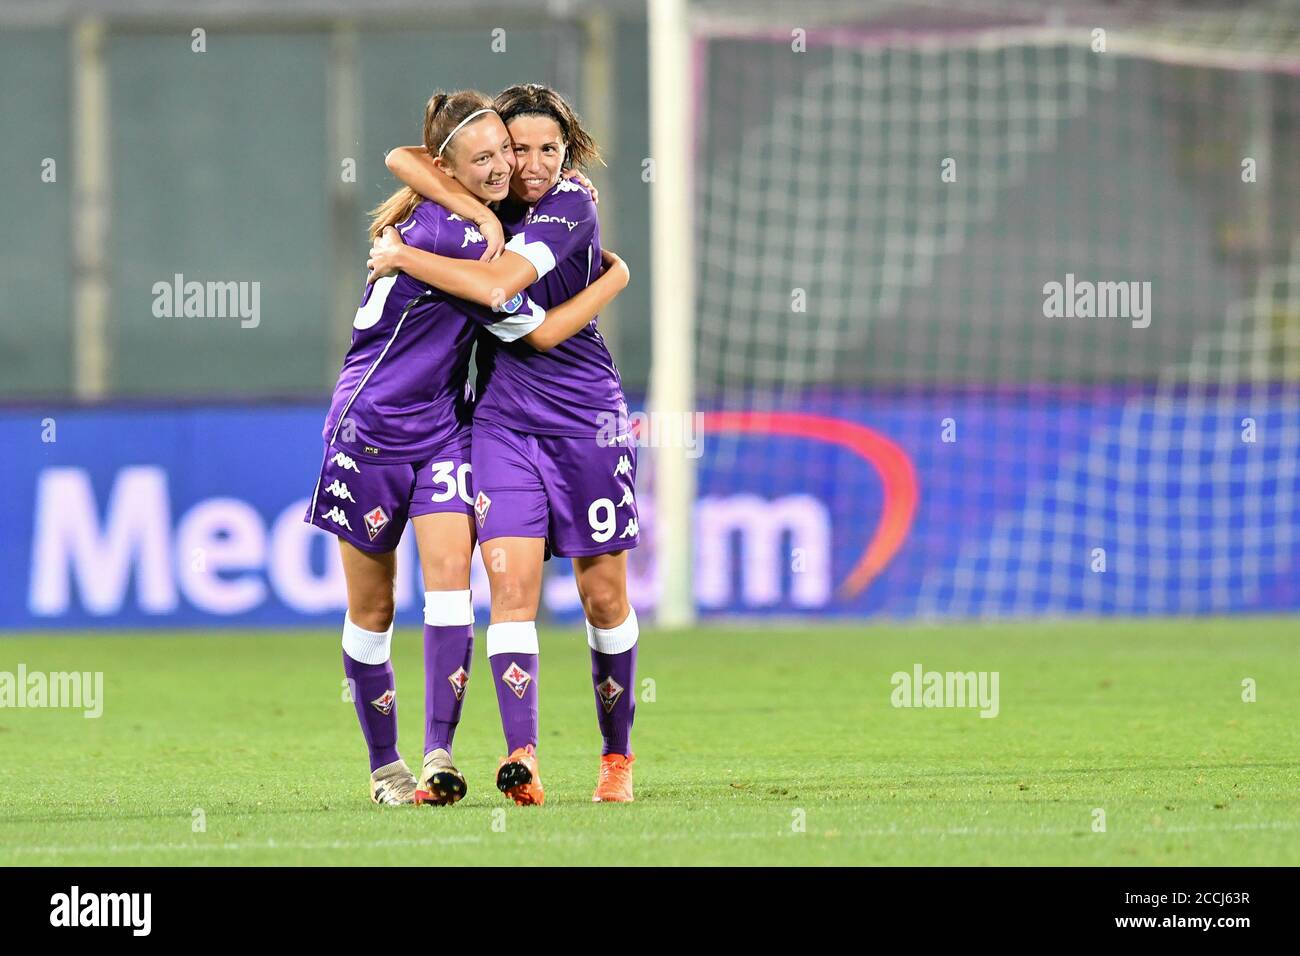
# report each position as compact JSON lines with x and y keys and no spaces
{"x":765,"y":746}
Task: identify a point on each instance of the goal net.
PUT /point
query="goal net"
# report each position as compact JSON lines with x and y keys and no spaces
{"x":997,"y":314}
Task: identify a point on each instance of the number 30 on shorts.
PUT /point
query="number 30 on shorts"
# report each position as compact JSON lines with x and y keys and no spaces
{"x":454,"y":481}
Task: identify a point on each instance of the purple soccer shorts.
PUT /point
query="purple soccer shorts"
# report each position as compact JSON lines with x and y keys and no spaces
{"x":367,"y":503}
{"x":573,"y":492}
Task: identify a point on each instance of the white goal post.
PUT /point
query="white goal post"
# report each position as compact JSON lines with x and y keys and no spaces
{"x":672,"y":387}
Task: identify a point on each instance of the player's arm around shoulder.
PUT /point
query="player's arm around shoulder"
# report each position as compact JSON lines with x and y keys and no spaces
{"x":414,"y":167}
{"x":483,"y":283}
{"x":569,"y":317}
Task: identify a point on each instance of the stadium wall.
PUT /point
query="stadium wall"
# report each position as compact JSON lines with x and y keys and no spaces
{"x":901,"y":507}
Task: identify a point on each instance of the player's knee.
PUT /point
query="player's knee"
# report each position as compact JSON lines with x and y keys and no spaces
{"x":605,"y":607}
{"x":374,"y":613}
{"x":512,"y":594}
{"x":447,"y":572}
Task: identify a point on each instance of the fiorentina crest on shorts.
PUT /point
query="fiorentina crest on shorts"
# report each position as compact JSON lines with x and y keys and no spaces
{"x":458,"y":678}
{"x":517,"y":679}
{"x":376,"y":520}
{"x":385,"y":701}
{"x":481,"y":505}
{"x":610,"y":691}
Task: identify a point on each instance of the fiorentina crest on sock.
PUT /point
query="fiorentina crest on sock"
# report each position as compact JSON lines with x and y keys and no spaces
{"x":376,"y":521}
{"x":458,"y":679}
{"x":517,"y":679}
{"x":610,"y":691}
{"x":384,"y":702}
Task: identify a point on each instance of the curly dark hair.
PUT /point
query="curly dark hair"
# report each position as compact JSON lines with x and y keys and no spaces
{"x":533,"y":99}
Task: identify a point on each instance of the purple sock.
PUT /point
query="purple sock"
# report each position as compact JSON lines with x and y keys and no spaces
{"x":614,"y":677}
{"x":515,"y":677}
{"x":374,"y":693}
{"x":448,"y":651}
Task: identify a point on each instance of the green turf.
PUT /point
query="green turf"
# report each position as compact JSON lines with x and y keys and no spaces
{"x":749,"y":732}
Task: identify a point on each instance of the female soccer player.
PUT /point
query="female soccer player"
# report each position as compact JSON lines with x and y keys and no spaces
{"x":554,"y":465}
{"x":397,"y":442}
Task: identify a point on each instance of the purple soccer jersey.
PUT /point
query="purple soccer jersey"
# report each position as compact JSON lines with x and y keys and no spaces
{"x":574,"y":389}
{"x":401,"y":392}
{"x":397,"y":437}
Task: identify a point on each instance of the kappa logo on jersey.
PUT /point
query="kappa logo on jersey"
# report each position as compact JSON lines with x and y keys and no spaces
{"x":624,"y":466}
{"x":376,"y":520}
{"x":566,"y":185}
{"x":452,"y":217}
{"x":385,"y":701}
{"x":336,"y":515}
{"x":610,"y":691}
{"x":546,"y":217}
{"x":517,"y":679}
{"x":345,"y":462}
{"x":471,"y":235}
{"x":458,"y":678}
{"x":481,"y":505}
{"x":627,"y":498}
{"x":339,"y":489}
{"x":632,"y":529}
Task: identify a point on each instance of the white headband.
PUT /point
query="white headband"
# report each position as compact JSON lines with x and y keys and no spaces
{"x":460,"y":124}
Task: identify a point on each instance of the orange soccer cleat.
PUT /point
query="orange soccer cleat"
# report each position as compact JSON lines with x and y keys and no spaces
{"x":615,"y":784}
{"x":518,"y":779}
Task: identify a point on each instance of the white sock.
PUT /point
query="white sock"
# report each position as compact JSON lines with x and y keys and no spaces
{"x":448,"y":608}
{"x":366,"y":647}
{"x":614,"y":640}
{"x":512,"y":637}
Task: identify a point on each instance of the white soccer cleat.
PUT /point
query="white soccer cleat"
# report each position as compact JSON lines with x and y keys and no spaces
{"x":392,"y":784}
{"x":441,"y":784}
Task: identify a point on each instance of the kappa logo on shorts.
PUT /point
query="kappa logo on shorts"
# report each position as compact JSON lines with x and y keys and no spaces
{"x":385,"y":701}
{"x":632,"y":529}
{"x":458,"y":678}
{"x":627,"y":498}
{"x":481,"y":505}
{"x":517,"y":679}
{"x":376,"y":520}
{"x":339,"y":489}
{"x":336,"y":515}
{"x":624,"y":466}
{"x":346,"y":462}
{"x":610,"y":691}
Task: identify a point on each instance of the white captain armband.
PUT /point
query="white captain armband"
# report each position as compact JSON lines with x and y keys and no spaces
{"x":536,"y":252}
{"x":520,"y":323}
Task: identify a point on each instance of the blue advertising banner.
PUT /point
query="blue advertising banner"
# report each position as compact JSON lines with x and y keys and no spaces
{"x":855,"y":504}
